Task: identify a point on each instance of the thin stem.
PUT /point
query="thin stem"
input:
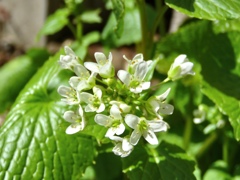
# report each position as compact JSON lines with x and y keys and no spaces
{"x":72,"y":29}
{"x":187,"y":132}
{"x":159,"y":84}
{"x":79,"y":32}
{"x":225,"y":149}
{"x":143,"y":19}
{"x":206,"y":145}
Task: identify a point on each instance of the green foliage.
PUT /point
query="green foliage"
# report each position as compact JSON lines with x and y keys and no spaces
{"x":210,"y":10}
{"x":16,"y":73}
{"x":167,"y":161}
{"x":55,"y":22}
{"x":33,"y":142}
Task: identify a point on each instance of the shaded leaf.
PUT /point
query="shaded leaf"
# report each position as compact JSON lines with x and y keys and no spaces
{"x":16,"y":73}
{"x":210,"y":10}
{"x":119,"y":10}
{"x":91,"y":16}
{"x":218,"y":55}
{"x":167,"y":161}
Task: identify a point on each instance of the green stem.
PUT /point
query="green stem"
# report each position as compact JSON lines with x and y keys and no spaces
{"x":79,"y":32}
{"x":206,"y":145}
{"x":225,"y":149}
{"x":72,"y":29}
{"x":187,"y":133}
{"x":159,"y":84}
{"x":143,"y":19}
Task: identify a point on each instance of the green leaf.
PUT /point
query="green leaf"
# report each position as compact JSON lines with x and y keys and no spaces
{"x":55,"y":22}
{"x":210,"y":10}
{"x":218,"y":55}
{"x":217,"y":171}
{"x":119,"y":10}
{"x":33,"y":141}
{"x":131,"y":31}
{"x":16,"y":73}
{"x":167,"y":161}
{"x":91,"y":16}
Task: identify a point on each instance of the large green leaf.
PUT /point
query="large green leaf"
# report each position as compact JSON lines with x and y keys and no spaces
{"x":32,"y":140}
{"x":219,"y":56}
{"x":16,"y":73}
{"x":119,"y":10}
{"x":167,"y":161}
{"x":212,"y":10}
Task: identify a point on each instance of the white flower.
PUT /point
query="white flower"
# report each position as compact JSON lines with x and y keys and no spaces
{"x":180,"y":67}
{"x":77,"y":119}
{"x":145,"y":128}
{"x":113,"y":122}
{"x":157,"y":105}
{"x":136,"y":81}
{"x":124,"y":108}
{"x":69,"y":60}
{"x":83,"y":80}
{"x":71,"y":96}
{"x":94,"y":102}
{"x":199,"y":114}
{"x":123,"y":147}
{"x":133,"y":63}
{"x":103,"y":66}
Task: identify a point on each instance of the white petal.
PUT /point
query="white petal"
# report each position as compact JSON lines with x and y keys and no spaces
{"x":135,"y":136}
{"x":163,"y":96}
{"x":120,"y":129}
{"x":69,"y":51}
{"x":101,"y":108}
{"x":86,"y":97}
{"x":124,"y":76}
{"x":158,"y":125}
{"x":90,"y":108}
{"x":138,"y":57}
{"x":126,"y":145}
{"x":103,"y":120}
{"x":145,"y":85}
{"x":70,"y":116}
{"x":141,"y":70}
{"x":64,"y":90}
{"x":150,"y":137}
{"x":72,"y":129}
{"x":81,"y":71}
{"x":111,"y":132}
{"x":131,"y":120}
{"x":115,"y":112}
{"x":165,"y":108}
{"x":83,"y":85}
{"x":98,"y":92}
{"x":186,"y":68}
{"x":110,"y":57}
{"x":73,"y":81}
{"x":92,"y":66}
{"x":179,"y":60}
{"x":100,"y":58}
{"x":118,"y":149}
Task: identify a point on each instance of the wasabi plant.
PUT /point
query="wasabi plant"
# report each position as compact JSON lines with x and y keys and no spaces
{"x":125,"y":105}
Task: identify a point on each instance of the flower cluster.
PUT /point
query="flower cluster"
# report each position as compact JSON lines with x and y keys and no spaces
{"x":125,"y":105}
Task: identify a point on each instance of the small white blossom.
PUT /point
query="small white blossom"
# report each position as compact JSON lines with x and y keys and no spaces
{"x":69,"y":60}
{"x":199,"y":114}
{"x":123,"y":147}
{"x":133,"y":63}
{"x":113,"y":122}
{"x":180,"y":67}
{"x":135,"y":82}
{"x":145,"y":128}
{"x":71,"y":96}
{"x":94,"y":102}
{"x":83,"y":80}
{"x":157,"y":105}
{"x":124,"y":108}
{"x":103,"y":66}
{"x":77,"y":119}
